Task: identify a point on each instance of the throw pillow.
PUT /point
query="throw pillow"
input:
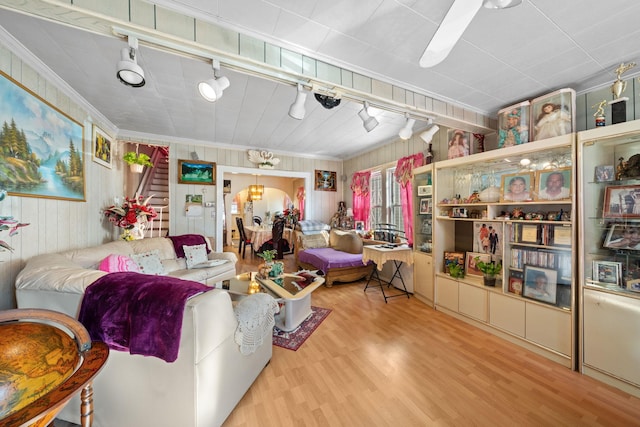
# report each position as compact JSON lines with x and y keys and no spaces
{"x":195,"y":254}
{"x":149,"y":262}
{"x":313,"y":241}
{"x":116,"y":263}
{"x":347,"y":242}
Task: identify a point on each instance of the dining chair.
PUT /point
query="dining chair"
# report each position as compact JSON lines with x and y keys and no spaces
{"x":48,"y":357}
{"x":276,"y":236}
{"x":244,"y":241}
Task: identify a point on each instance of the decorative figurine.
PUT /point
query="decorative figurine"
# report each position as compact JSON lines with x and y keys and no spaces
{"x":620,"y":168}
{"x":599,"y":114}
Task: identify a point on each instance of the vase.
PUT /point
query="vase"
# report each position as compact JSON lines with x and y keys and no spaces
{"x":489,"y":279}
{"x":264,"y":269}
{"x":137,"y":232}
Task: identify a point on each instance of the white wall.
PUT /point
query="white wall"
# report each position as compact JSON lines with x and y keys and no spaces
{"x":56,"y":225}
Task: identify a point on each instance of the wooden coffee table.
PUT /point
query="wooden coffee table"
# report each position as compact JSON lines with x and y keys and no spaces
{"x":296,"y":299}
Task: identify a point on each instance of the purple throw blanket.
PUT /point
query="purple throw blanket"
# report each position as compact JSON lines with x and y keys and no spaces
{"x":187,"y":240}
{"x":141,"y":313}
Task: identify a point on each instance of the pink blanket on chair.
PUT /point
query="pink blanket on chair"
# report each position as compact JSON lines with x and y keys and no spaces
{"x":137,"y":312}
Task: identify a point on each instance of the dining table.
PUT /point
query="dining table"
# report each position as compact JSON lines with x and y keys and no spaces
{"x":258,"y":234}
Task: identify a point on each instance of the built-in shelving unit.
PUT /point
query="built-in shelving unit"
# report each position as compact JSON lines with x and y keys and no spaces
{"x":610,"y":254}
{"x":533,"y":302}
{"x":423,"y":232}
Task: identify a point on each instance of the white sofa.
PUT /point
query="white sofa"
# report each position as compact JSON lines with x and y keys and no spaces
{"x":200,"y":388}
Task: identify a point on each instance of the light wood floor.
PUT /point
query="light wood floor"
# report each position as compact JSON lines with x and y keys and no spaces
{"x":405,"y":364}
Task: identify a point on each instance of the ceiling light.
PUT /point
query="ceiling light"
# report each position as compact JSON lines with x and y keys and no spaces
{"x":128,"y":70}
{"x":368,"y":122}
{"x":431,"y":131}
{"x":297,"y":110}
{"x":407,"y":130}
{"x":212,"y":89}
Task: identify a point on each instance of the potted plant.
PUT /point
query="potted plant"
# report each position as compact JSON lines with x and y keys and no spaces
{"x":490,"y":271}
{"x":137,"y":161}
{"x":265,"y":268}
{"x":456,"y":270}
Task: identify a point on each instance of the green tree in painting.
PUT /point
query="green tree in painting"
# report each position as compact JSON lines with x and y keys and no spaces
{"x":18,"y":163}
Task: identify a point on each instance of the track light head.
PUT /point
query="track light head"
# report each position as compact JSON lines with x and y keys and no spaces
{"x":368,"y":122}
{"x":128,"y":71}
{"x":428,"y":134}
{"x":297,"y":110}
{"x":407,"y":130}
{"x":212,"y":89}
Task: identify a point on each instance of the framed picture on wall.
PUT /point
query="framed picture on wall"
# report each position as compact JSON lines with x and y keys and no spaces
{"x":196,"y":172}
{"x":325,"y":180}
{"x":47,"y":146}
{"x":101,"y":147}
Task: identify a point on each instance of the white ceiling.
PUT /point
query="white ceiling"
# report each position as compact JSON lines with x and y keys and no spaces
{"x":504,"y":57}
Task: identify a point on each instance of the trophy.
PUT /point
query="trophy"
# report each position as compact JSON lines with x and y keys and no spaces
{"x":599,"y":114}
{"x":619,"y":103}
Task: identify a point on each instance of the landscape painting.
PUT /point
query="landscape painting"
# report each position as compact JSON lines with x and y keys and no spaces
{"x":41,"y":148}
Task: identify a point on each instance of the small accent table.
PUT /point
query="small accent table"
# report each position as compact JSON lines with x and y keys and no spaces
{"x":380,"y":254}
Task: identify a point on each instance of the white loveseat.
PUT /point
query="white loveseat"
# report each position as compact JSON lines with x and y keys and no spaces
{"x":200,"y":388}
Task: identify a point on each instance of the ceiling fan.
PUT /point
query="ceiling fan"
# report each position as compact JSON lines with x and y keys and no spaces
{"x":454,"y":24}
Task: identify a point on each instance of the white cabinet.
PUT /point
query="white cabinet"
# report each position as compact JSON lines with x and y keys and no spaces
{"x":473,"y":301}
{"x":447,"y":293}
{"x":423,"y":277}
{"x":507,"y":313}
{"x":534,"y":300}
{"x":611,"y":331}
{"x":610,"y":265}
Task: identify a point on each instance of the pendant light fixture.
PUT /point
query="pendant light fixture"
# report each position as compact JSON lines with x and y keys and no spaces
{"x":256,"y":191}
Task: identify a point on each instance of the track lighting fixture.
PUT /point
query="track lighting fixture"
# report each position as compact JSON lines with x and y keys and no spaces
{"x":211,"y":89}
{"x":128,"y":70}
{"x":297,"y":110}
{"x":431,"y":131}
{"x":407,"y":130}
{"x":368,"y":122}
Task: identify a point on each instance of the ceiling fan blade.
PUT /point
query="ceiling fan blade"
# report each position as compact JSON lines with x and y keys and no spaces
{"x":449,"y":32}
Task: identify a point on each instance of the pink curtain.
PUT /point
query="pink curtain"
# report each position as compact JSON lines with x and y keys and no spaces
{"x":404,"y":174}
{"x":300,"y":196}
{"x":361,"y":199}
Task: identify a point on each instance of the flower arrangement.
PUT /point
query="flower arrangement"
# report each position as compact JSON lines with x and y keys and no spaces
{"x":131,"y":212}
{"x":291,"y":216}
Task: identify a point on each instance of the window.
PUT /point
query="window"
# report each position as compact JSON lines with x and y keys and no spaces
{"x":375,"y":189}
{"x":386,"y":206}
{"x":394,"y":204}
